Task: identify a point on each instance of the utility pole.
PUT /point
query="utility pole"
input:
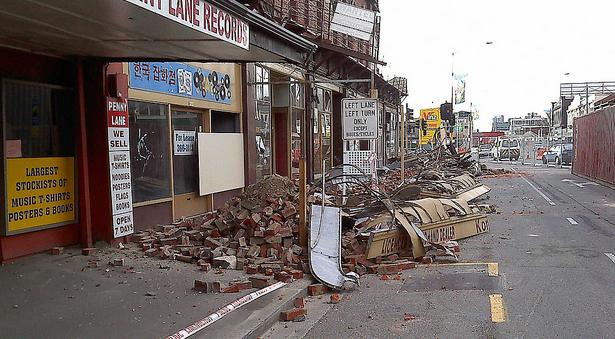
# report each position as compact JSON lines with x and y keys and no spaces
{"x":403,"y":142}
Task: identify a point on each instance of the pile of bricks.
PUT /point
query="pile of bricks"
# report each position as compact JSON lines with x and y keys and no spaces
{"x":255,"y":232}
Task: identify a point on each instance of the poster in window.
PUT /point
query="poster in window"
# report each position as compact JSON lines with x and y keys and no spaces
{"x":40,"y":192}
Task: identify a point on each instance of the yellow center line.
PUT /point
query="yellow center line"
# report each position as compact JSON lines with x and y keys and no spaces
{"x":492,"y":269}
{"x":498,"y":314}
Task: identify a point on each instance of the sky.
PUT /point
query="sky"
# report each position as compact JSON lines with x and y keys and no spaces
{"x":534,"y":44}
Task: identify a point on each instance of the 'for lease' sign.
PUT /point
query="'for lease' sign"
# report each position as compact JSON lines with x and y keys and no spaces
{"x":360,"y":119}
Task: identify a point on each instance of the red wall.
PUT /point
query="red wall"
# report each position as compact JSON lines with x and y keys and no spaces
{"x":30,"y":67}
{"x":594,"y":146}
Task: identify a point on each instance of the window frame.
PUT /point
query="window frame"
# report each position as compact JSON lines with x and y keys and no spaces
{"x":4,"y":231}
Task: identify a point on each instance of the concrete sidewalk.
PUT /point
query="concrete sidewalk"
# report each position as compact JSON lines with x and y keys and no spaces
{"x":64,"y":297}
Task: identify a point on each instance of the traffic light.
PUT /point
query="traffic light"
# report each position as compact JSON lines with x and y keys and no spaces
{"x":446,"y":112}
{"x":424,"y":127}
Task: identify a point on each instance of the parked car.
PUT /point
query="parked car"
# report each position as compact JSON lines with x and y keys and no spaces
{"x":506,"y":149}
{"x":558,"y":154}
{"x":484,"y":150}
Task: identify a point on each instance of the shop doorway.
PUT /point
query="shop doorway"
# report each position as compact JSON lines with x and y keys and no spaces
{"x":185,"y":124}
{"x":280,"y":141}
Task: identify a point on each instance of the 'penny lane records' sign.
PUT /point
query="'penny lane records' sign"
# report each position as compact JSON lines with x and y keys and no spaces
{"x":119,"y":167}
{"x":360,"y":119}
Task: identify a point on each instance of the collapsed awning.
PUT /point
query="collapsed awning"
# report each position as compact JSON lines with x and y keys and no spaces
{"x":213,"y":30}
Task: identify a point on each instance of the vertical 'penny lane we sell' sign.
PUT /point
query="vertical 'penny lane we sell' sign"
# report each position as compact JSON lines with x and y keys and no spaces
{"x":119,"y":167}
{"x":360,"y":119}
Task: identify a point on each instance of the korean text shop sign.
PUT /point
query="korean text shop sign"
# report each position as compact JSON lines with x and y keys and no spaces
{"x":40,"y":193}
{"x":203,"y":17}
{"x":181,"y":80}
{"x":119,"y":167}
{"x":359,"y":119}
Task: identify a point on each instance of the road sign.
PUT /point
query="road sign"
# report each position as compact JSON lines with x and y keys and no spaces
{"x":360,"y":119}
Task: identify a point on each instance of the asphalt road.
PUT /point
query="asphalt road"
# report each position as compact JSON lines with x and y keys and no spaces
{"x":554,"y":278}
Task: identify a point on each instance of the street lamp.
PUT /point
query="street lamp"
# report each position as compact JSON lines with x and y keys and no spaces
{"x":453,"y":94}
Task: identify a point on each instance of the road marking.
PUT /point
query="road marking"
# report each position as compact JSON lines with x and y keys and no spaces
{"x":539,"y":192}
{"x":611,"y":256}
{"x":498,"y":314}
{"x":492,"y":269}
{"x":572,"y":221}
{"x":580,"y":184}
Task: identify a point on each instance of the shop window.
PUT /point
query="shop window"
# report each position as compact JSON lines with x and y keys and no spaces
{"x":296,"y":94}
{"x":149,"y":151}
{"x":40,"y":120}
{"x":224,"y":122}
{"x":297,"y":117}
{"x":264,"y":163}
{"x":39,"y":149}
{"x":185,"y":160}
{"x":322,"y":131}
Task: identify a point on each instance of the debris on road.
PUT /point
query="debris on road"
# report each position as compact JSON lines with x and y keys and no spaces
{"x":390,"y":224}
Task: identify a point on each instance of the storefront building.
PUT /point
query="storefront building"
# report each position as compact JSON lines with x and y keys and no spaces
{"x":169,"y":104}
{"x":100,"y":137}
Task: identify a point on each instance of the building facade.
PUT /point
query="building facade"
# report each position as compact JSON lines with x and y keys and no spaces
{"x":499,"y":124}
{"x":97,"y":142}
{"x":532,"y":122}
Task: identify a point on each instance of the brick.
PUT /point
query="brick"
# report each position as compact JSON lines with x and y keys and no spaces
{"x":184,"y":258}
{"x":261,"y":281}
{"x":170,"y":241}
{"x":204,"y":265}
{"x":231,"y":289}
{"x":336,"y":298}
{"x":202,"y":286}
{"x":406,"y":265}
{"x":240,"y":264}
{"x":296,"y":274}
{"x":317,"y":289}
{"x":216,"y":286}
{"x":293,"y":314}
{"x":243,"y":285}
{"x":273,"y":239}
{"x":299,"y":302}
{"x":289,"y":211}
{"x":251,"y":269}
{"x":93,"y":264}
{"x":57,"y":250}
{"x":88,"y":251}
{"x":118,"y":262}
{"x":388,"y":268}
{"x":269,"y":271}
{"x":229,"y":262}
{"x":272,"y":252}
{"x":254,"y":251}
{"x":286,"y":232}
{"x":283,"y":277}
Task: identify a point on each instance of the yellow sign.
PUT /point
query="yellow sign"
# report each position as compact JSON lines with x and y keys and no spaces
{"x":432,"y":116}
{"x":39,"y":192}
